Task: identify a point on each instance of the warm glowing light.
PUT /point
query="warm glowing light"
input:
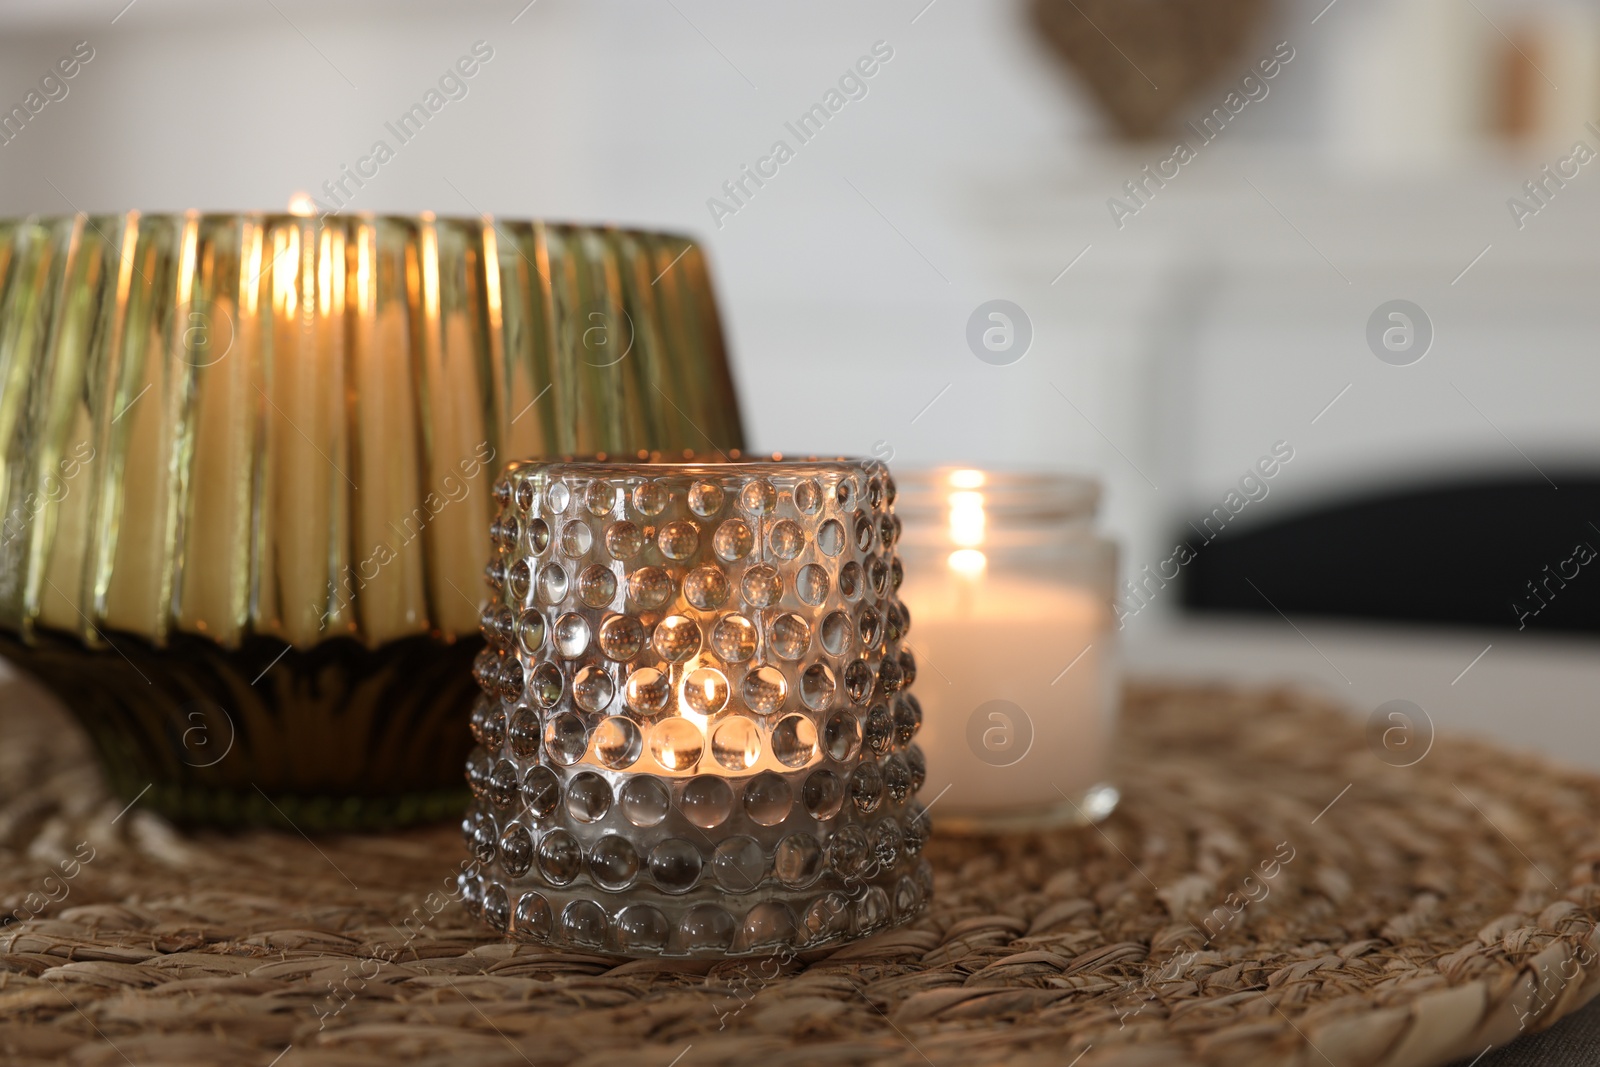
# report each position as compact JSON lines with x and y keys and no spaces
{"x":686,"y":710}
{"x":966,"y":479}
{"x":430,"y":268}
{"x":251,"y":268}
{"x":491,"y":278}
{"x":366,"y":292}
{"x":301,"y":205}
{"x":752,"y":752}
{"x":285,"y":260}
{"x":186,"y":259}
{"x":967,"y":519}
{"x":325,"y":262}
{"x":966,"y":501}
{"x":968,"y":561}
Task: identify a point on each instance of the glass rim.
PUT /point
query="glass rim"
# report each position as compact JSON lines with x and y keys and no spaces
{"x":658,"y":465}
{"x":1015,"y":490}
{"x":277,"y":216}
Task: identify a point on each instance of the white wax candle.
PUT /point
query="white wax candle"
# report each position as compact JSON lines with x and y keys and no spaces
{"x":1017,"y":681}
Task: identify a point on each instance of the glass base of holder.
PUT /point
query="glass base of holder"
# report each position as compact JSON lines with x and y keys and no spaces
{"x":706,"y":923}
{"x":1095,"y":804}
{"x":334,"y":737}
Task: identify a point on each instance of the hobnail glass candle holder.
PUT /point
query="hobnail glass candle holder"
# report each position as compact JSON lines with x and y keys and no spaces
{"x":696,"y":737}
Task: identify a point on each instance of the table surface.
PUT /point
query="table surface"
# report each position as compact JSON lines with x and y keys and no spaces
{"x":1522,"y":690}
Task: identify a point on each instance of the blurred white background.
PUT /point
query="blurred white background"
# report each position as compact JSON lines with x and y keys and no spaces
{"x":1226,"y":315}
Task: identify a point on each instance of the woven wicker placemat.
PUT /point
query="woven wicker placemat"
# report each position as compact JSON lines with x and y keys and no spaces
{"x":1269,"y":892}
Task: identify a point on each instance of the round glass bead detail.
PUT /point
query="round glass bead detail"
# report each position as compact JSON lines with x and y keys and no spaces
{"x":522,"y":734}
{"x":705,"y":691}
{"x":817,"y":686}
{"x":566,"y":739}
{"x":642,"y":929}
{"x":560,"y":857}
{"x":650,"y":587}
{"x":675,"y":865}
{"x":733,"y":541}
{"x":705,"y":499}
{"x":531,"y":920}
{"x":621,"y":638}
{"x":558,"y":496}
{"x":588,"y":797}
{"x":584,"y":923}
{"x":736,"y":743}
{"x":597,"y":586}
{"x":547,"y":685}
{"x":650,"y":498}
{"x":786,"y":539}
{"x":648,"y":691}
{"x":733,"y":639}
{"x":572,"y":635}
{"x":592,"y":688}
{"x":676,"y":744}
{"x":811,"y":583}
{"x":618,"y":743}
{"x":758,"y":496}
{"x":576,"y":539}
{"x":541,"y":791}
{"x":798,"y":861}
{"x":764,"y":689}
{"x":624,"y":540}
{"x":739,"y":863}
{"x":614,"y":862}
{"x":768,"y":798}
{"x":678,"y":540}
{"x":676,"y":638}
{"x":789,"y":636}
{"x":794,"y":741}
{"x":823,"y":794}
{"x":706,"y":588}
{"x":707,"y":801}
{"x":762,"y":585}
{"x":646,"y":800}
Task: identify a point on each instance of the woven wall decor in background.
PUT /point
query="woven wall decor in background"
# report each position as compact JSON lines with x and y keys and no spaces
{"x":1269,"y":892}
{"x":1143,"y":60}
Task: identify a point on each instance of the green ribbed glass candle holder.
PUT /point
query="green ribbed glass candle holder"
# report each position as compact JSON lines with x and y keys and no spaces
{"x":247,"y":477}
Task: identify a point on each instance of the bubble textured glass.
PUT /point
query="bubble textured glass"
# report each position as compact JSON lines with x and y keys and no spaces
{"x":713,"y":796}
{"x":247,"y":477}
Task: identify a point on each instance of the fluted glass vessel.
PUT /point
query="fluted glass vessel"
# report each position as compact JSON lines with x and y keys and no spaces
{"x":247,"y":468}
{"x":697,"y":736}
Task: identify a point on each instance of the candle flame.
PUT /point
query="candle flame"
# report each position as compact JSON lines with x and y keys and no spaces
{"x":967,"y":518}
{"x":752,"y":751}
{"x":686,"y":710}
{"x":302,"y":206}
{"x":967,"y":479}
{"x":968,"y":561}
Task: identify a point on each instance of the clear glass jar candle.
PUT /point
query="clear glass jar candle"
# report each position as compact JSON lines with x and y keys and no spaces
{"x":1010,"y":592}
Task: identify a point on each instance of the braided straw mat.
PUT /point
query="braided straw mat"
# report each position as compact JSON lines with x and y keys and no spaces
{"x":1241,"y":907}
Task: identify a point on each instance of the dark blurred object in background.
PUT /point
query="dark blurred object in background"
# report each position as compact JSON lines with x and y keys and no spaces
{"x":1507,"y":553}
{"x":1144,"y":59}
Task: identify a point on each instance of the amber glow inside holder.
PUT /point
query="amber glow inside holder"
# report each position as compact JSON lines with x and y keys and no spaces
{"x":696,"y":734}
